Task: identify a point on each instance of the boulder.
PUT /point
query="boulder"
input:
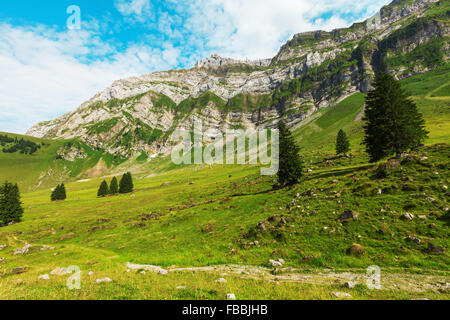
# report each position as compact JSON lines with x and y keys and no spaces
{"x":350,"y":284}
{"x":341,"y":295}
{"x":349,"y":215}
{"x":356,"y":250}
{"x":24,"y":250}
{"x":231,"y":296}
{"x":44,"y":277}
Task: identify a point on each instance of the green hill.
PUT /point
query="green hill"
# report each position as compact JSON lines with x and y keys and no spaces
{"x":204,"y":216}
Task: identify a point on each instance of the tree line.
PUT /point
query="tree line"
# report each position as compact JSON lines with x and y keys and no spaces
{"x":125,"y":186}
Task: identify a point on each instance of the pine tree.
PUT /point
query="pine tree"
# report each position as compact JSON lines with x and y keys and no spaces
{"x":59,"y":193}
{"x":114,"y":188}
{"x":103,"y":190}
{"x":126,"y":183}
{"x":10,"y":205}
{"x":392,"y":121}
{"x":290,"y":169}
{"x":342,"y":143}
{"x":62,"y":192}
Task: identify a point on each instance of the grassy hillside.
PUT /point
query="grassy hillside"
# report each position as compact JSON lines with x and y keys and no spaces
{"x":210,"y":216}
{"x":430,"y":92}
{"x":200,"y":216}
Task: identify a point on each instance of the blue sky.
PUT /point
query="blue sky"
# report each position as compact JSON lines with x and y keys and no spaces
{"x":48,"y":70}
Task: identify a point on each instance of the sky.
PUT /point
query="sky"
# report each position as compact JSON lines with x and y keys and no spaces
{"x":53,"y":59}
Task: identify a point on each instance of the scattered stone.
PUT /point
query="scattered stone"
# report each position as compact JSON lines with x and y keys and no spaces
{"x":181,"y":287}
{"x":380,"y":192}
{"x":147,"y":267}
{"x":408,"y":216}
{"x":103,"y":280}
{"x":414,"y":239}
{"x":281,"y":261}
{"x":422,"y":217}
{"x":2,"y":259}
{"x":431,"y":199}
{"x":341,"y":295}
{"x":19,"y":270}
{"x":44,"y":277}
{"x":349,"y":215}
{"x":350,"y":284}
{"x":3,"y":246}
{"x":24,"y":250}
{"x":221,"y":280}
{"x":90,"y":273}
{"x":445,"y":188}
{"x":60,"y":272}
{"x":275,"y":263}
{"x":356,"y":250}
{"x":231,"y":296}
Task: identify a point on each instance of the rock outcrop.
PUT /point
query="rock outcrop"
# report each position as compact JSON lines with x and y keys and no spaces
{"x":313,"y":70}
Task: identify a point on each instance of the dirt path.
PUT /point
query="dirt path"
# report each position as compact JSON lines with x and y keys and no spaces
{"x":389,"y":280}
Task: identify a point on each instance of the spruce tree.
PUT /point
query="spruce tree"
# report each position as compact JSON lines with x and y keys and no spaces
{"x":126,"y":183}
{"x":62,"y":192}
{"x":103,"y":190}
{"x":342,"y":143}
{"x":59,"y":193}
{"x":114,"y":188}
{"x":290,"y":169}
{"x":10,"y":205}
{"x":392,"y":122}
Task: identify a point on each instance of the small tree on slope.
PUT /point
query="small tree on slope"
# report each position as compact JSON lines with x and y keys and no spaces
{"x":342,"y":143}
{"x":10,"y":206}
{"x":392,"y":122}
{"x":126,"y":183}
{"x":291,"y":168}
{"x":103,"y":190}
{"x":113,"y":187}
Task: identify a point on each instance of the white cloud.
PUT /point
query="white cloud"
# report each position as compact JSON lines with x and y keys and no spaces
{"x":45,"y":73}
{"x":257,"y":28}
{"x":133,"y":7}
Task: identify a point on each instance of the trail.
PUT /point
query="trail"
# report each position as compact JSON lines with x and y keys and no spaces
{"x":389,"y":280}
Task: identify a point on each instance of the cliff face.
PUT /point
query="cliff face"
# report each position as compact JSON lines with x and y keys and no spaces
{"x":311,"y":71}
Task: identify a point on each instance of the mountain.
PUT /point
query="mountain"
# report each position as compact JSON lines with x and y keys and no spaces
{"x":314,"y":70}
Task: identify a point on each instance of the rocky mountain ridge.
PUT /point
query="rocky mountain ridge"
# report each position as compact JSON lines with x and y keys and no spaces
{"x":311,"y":71}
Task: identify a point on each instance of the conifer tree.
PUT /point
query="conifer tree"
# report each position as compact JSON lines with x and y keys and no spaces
{"x":103,"y":190}
{"x":114,"y":188}
{"x":291,"y":167}
{"x":59,"y":193}
{"x":392,"y":122}
{"x":126,"y":183}
{"x":342,"y":143}
{"x":62,"y":192}
{"x":10,"y":205}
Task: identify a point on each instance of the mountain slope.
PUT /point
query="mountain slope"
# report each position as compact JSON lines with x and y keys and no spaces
{"x":312,"y":71}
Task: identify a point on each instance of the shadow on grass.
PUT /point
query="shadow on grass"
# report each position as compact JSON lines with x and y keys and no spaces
{"x":339,"y":172}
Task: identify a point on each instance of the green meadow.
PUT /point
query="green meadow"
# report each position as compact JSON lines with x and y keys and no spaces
{"x":209,"y":216}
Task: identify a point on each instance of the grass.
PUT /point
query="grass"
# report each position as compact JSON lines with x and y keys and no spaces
{"x":195,"y":216}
